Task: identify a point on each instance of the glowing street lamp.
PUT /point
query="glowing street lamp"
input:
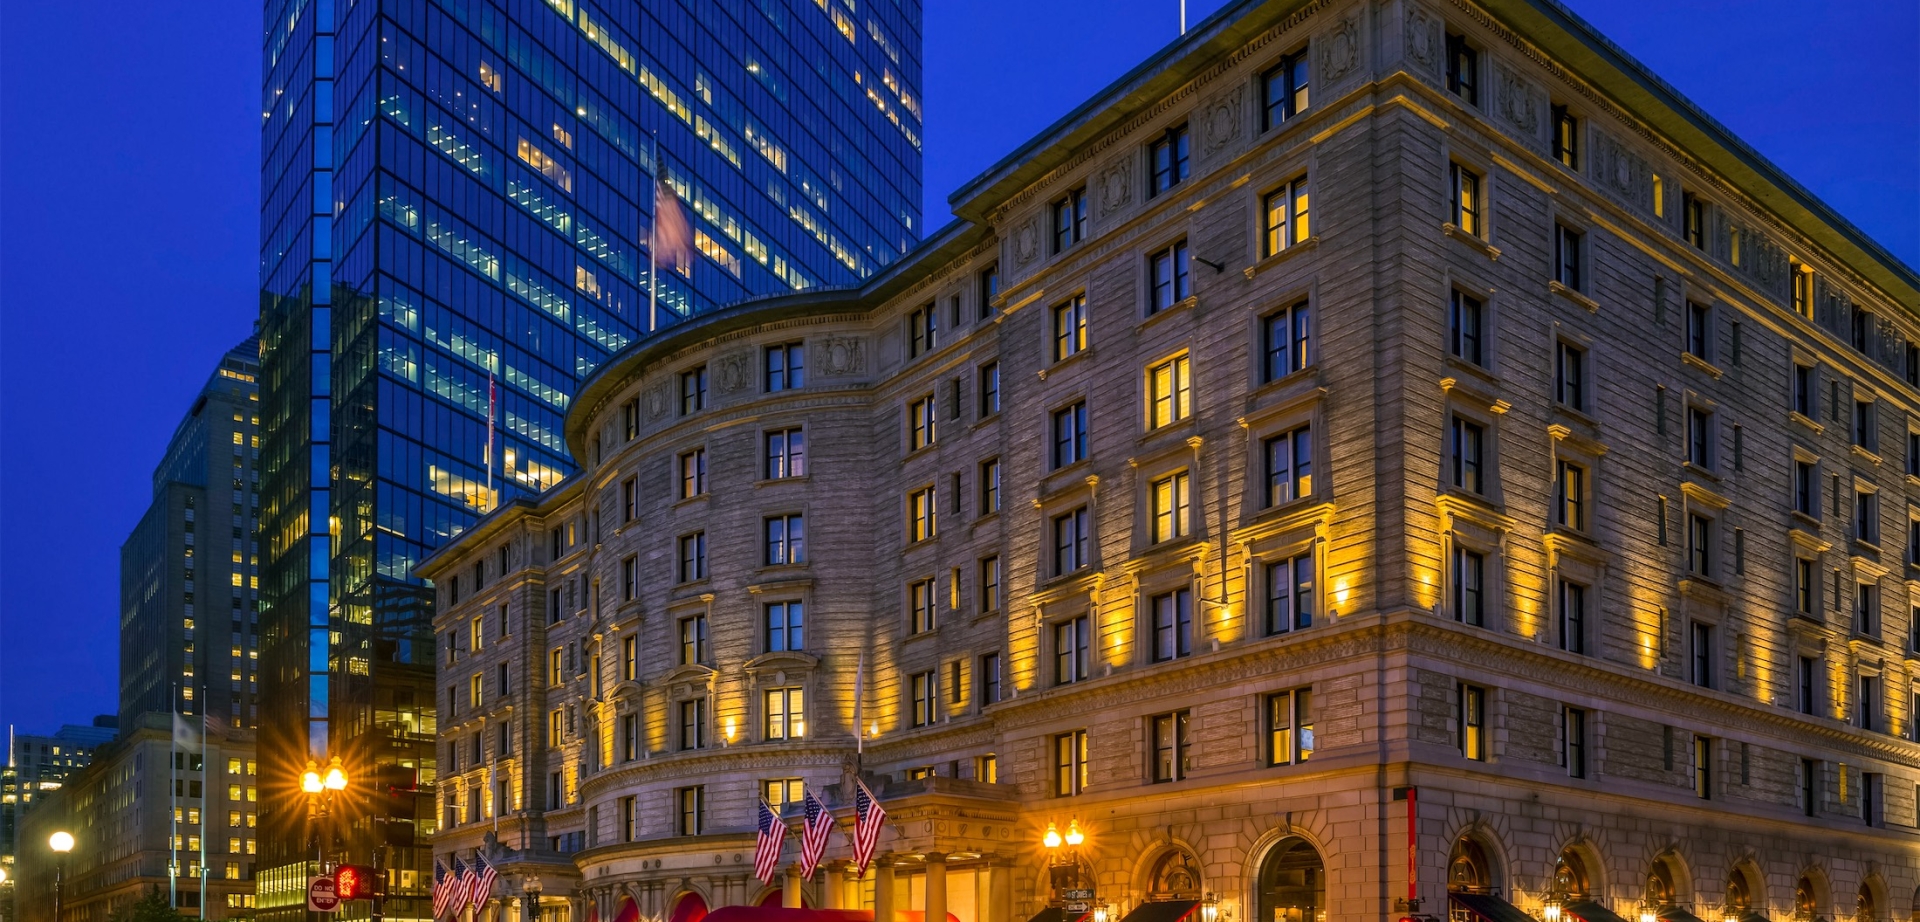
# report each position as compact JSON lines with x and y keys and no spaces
{"x":61,"y":842}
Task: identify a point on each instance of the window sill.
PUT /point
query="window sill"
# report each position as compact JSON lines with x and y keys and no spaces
{"x":1577,"y":415}
{"x":1253,"y":271}
{"x":1071,"y":359}
{"x":1809,"y":522}
{"x":772,"y":481}
{"x":1557,"y":287}
{"x":1866,"y":454}
{"x":922,"y":635}
{"x":1711,"y":369}
{"x":1487,"y":249}
{"x":1795,"y":416}
{"x":691,"y":500}
{"x":1862,"y":545}
{"x":914,"y":547}
{"x":1182,"y":306}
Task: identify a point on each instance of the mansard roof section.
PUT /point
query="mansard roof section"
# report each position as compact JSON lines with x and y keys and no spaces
{"x":1138,"y":90}
{"x":614,"y":375}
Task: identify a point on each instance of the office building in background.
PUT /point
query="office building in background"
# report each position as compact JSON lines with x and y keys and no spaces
{"x":458,"y":198}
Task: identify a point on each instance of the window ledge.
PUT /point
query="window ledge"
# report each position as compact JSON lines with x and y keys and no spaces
{"x":923,"y":635}
{"x":1184,"y":305}
{"x":691,"y":500}
{"x":1699,"y":471}
{"x":1866,"y":454}
{"x":1276,"y":259}
{"x":1913,"y":480}
{"x":1473,"y":240}
{"x":914,"y":547}
{"x":1862,"y":545}
{"x":1556,"y":287}
{"x":771,"y":481}
{"x":1798,"y":417}
{"x":1711,"y":369}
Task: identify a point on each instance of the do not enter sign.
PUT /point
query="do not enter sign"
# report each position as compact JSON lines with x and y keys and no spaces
{"x":322,"y":895}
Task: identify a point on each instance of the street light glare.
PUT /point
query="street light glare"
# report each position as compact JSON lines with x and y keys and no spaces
{"x":310,"y":782}
{"x":336,"y":777}
{"x":61,"y":842}
{"x":1052,"y":838}
{"x":1074,"y":837}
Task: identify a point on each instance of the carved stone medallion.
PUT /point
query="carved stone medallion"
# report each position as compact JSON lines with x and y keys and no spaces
{"x":1340,"y":50}
{"x":1423,"y":38}
{"x":1115,"y":183}
{"x":1026,"y":241}
{"x":658,"y":401}
{"x":1517,"y":104}
{"x":733,"y":372}
{"x":1220,"y":120}
{"x":840,"y":355}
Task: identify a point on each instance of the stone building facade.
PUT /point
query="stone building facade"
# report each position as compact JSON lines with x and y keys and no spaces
{"x":1360,"y":409}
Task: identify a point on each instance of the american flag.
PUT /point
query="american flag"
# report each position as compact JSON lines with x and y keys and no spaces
{"x":448,"y":886}
{"x":483,"y":877}
{"x":771,"y":835}
{"x":868,"y":817}
{"x":814,"y":832}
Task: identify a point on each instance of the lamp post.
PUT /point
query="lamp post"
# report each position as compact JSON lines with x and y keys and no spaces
{"x":531,"y":888}
{"x":61,"y":842}
{"x":1064,"y":867}
{"x":320,"y":790}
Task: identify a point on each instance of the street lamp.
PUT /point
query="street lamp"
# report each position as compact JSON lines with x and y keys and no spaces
{"x":320,"y":790}
{"x":1064,"y":869}
{"x":61,"y":842}
{"x":531,"y":887}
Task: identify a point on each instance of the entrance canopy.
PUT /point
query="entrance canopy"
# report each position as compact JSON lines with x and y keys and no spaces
{"x":1162,"y":911}
{"x":783,"y":914}
{"x":1488,"y":907}
{"x":1590,"y":911}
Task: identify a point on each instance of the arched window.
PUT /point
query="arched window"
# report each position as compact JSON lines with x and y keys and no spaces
{"x":690,"y":907}
{"x":1660,"y":888}
{"x":1570,"y":877}
{"x":1176,"y":876}
{"x":1865,"y":907}
{"x":1806,"y":899}
{"x":1739,"y":893}
{"x":1469,"y":871}
{"x":1293,"y":884}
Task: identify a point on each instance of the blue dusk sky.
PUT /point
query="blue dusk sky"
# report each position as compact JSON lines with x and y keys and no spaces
{"x":129,"y":187}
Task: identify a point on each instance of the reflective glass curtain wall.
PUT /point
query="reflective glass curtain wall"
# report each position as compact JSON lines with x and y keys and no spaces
{"x":457,"y":209}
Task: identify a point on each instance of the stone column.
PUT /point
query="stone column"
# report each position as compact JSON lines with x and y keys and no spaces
{"x":836,"y":888}
{"x":999,"y":906}
{"x":790,"y":891}
{"x":936,"y":905}
{"x":883,"y":891}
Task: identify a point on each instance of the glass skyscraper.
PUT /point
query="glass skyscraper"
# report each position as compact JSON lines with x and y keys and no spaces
{"x":457,"y":203}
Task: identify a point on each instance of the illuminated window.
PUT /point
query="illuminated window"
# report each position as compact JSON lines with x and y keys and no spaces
{"x":1169,"y":391}
{"x":1566,"y":137}
{"x":786,"y":714}
{"x":781,"y":793}
{"x":1471,"y":722}
{"x":1465,"y":188}
{"x":547,"y":166}
{"x":1070,"y":220}
{"x":1287,"y":219}
{"x":1070,"y":763}
{"x":921,"y":423}
{"x":1284,"y":89}
{"x":1169,"y":505}
{"x":1288,"y":460}
{"x":1069,"y":327}
{"x":1289,"y":727}
{"x":693,"y":473}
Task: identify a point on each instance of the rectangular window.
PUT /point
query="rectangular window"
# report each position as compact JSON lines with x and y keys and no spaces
{"x":786,"y":454}
{"x":1069,"y":327}
{"x":1866,"y":705}
{"x":989,"y":584}
{"x":1865,"y":433}
{"x":1700,"y":655}
{"x":1465,"y":188}
{"x":1169,"y":392}
{"x":1170,"y":735}
{"x":1913,"y":448}
{"x":786,"y":626}
{"x":1288,"y":218}
{"x":1806,"y":489}
{"x":1172,"y":625}
{"x":989,"y":289}
{"x":1167,"y":159}
{"x":1703,"y":768}
{"x":1862,"y":329}
{"x":782,"y":793}
{"x":1573,"y":741}
{"x":693,"y":390}
{"x":1463,"y":66}
{"x":693,"y":557}
{"x":1804,"y":393}
{"x":629,"y":579}
{"x":1468,"y":444}
{"x":1465,"y":328}
{"x":1471,"y":722}
{"x":786,"y":367}
{"x":1810,"y":787}
{"x":1069,"y":763}
{"x":786,"y":540}
{"x":1286,"y":341}
{"x":1572,"y":613}
{"x":1700,"y":546}
{"x":920,"y":606}
{"x":1700,"y":440}
{"x":1569,"y":269}
{"x":1071,"y":643}
{"x":1693,"y":220}
{"x":926,"y":699}
{"x":786,"y":713}
{"x":987,"y":689}
{"x":1869,"y":798}
{"x":1289,"y":727}
{"x":1569,"y":495}
{"x":989,"y":475}
{"x":1283,"y":90}
{"x":1469,"y":587}
{"x":1168,"y":277}
{"x":1290,"y":593}
{"x":1699,"y":330}
{"x":921,"y":417}
{"x":989,"y":389}
{"x":693,"y":640}
{"x":922,"y":524}
{"x":1570,"y":376}
{"x":1566,"y":137}
{"x":1806,"y":678}
{"x":1071,"y":537}
{"x":1866,"y":609}
{"x":1802,"y":288}
{"x":1289,"y":466}
{"x":693,"y":724}
{"x":692,"y":810}
{"x":629,"y":737}
{"x":1168,"y":501}
{"x":1866,"y":517}
{"x":693,"y":473}
{"x":1070,"y":220}
{"x":923,"y":331}
{"x":629,"y":499}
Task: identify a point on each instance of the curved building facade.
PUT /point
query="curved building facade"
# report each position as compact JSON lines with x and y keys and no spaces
{"x":1361,"y":464}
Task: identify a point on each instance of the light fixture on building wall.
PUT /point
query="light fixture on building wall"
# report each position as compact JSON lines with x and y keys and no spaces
{"x":1209,"y":908}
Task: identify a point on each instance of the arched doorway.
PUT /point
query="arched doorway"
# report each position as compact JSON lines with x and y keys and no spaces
{"x":1744,"y":897}
{"x":1865,"y":907}
{"x":1175,"y":876}
{"x":690,"y":907}
{"x":1662,"y":892}
{"x":1571,"y":881}
{"x":1468,"y":868}
{"x":1292,"y":884}
{"x":1806,"y":898}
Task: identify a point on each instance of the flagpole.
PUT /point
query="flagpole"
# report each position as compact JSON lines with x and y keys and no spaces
{"x":173,"y":796}
{"x":859,"y":710}
{"x":206,"y":789}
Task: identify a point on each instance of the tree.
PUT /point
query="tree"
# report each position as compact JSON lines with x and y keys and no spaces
{"x":150,"y":908}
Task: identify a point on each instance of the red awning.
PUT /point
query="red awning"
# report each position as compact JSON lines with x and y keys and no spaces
{"x":628,"y":911}
{"x":783,"y":914}
{"x":593,"y":912}
{"x":690,"y":907}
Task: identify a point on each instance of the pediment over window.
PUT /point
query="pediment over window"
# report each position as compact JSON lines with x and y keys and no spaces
{"x":783,"y":661}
